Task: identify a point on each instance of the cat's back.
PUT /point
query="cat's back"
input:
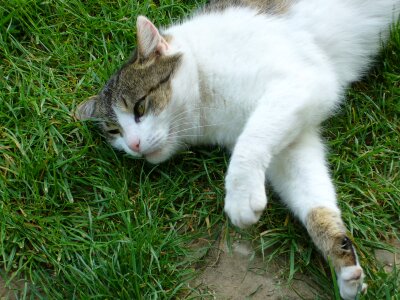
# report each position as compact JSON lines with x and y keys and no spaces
{"x":247,"y":36}
{"x":273,"y":7}
{"x":279,"y":28}
{"x":236,"y":27}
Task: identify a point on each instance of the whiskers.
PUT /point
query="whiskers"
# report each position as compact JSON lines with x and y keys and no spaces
{"x":194,"y":126}
{"x":187,"y":128}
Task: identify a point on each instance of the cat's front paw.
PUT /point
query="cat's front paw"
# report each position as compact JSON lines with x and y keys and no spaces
{"x":245,"y":199}
{"x":350,"y":281}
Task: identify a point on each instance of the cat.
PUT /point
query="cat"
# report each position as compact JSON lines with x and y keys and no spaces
{"x":257,"y":77}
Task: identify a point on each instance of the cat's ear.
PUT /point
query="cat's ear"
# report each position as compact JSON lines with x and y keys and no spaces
{"x":149,"y":38}
{"x":86,"y":109}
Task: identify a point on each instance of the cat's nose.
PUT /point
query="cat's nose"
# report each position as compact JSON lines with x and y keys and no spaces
{"x":135,"y":145}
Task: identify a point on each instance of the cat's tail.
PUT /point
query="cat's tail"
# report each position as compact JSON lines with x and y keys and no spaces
{"x":350,"y":32}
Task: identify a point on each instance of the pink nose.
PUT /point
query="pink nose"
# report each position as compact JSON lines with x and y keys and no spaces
{"x":135,"y":145}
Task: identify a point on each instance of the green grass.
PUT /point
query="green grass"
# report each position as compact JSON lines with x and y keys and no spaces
{"x":78,"y":220}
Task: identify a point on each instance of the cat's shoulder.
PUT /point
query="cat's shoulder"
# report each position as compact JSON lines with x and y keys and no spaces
{"x":264,"y":6}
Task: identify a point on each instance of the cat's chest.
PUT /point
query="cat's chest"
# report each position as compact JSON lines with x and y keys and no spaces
{"x":227,"y":99}
{"x":221,"y":123}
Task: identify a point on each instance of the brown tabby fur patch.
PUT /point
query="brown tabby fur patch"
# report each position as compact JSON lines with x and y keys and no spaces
{"x":328,"y":232}
{"x":138,"y":79}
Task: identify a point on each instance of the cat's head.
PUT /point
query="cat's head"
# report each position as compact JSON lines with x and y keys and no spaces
{"x":134,"y":108}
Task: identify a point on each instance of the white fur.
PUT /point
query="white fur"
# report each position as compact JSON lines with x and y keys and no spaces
{"x":269,"y":82}
{"x":261,"y":85}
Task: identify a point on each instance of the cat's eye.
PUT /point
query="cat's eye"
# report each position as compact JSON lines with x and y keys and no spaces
{"x":114,"y":131}
{"x":346,"y":243}
{"x":111,"y":128}
{"x":140,"y":109}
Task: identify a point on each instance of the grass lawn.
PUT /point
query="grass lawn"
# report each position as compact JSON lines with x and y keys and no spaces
{"x":78,"y":220}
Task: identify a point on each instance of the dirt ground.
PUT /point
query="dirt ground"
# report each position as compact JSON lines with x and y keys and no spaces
{"x":11,"y":291}
{"x":239,"y":273}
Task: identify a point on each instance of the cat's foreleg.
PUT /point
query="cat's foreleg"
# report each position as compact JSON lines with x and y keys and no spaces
{"x":269,"y":129}
{"x":300,"y":175}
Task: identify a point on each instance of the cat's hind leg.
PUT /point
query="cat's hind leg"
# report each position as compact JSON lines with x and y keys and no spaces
{"x":301,"y":177}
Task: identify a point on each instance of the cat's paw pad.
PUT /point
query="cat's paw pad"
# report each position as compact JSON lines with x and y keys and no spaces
{"x":244,"y":204}
{"x":350,"y":280}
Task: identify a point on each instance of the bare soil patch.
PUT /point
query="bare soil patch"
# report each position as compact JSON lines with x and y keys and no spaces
{"x":240,"y":273}
{"x":11,"y":291}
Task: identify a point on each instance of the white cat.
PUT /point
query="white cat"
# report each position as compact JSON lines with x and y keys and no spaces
{"x":257,"y":77}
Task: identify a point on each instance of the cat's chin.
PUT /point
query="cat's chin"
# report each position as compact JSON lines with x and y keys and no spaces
{"x":157,"y":156}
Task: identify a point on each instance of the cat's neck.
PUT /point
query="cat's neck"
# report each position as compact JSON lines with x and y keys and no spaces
{"x":186,"y":92}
